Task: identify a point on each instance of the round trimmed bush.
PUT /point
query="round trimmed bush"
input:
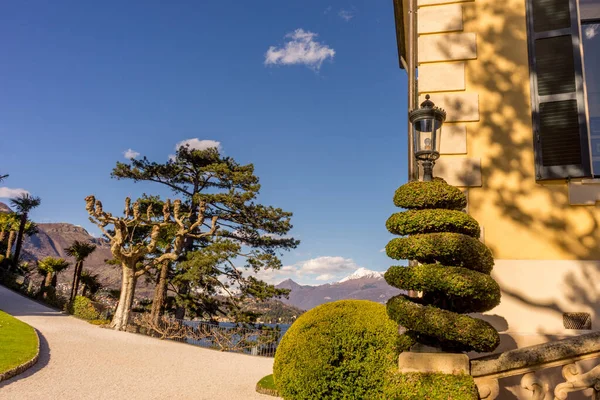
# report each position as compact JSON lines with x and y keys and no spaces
{"x":430,"y":386}
{"x":339,"y":350}
{"x":432,"y":221}
{"x":435,"y":194}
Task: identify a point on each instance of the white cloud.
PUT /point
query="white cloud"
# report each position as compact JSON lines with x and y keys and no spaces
{"x":129,"y":154}
{"x":313,"y":271}
{"x":197,"y":144}
{"x":347,"y":15}
{"x":7,"y":193}
{"x":301,"y":48}
{"x":325,"y":277}
{"x":382,"y":250}
{"x":328,"y":265}
{"x":327,"y":10}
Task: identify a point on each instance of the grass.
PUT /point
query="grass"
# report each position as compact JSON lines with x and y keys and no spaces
{"x":18,"y":342}
{"x":267,"y":386}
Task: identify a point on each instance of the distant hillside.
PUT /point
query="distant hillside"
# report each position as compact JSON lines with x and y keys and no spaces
{"x":361,"y":285}
{"x":4,"y":208}
{"x":53,"y":238}
{"x":273,"y":311}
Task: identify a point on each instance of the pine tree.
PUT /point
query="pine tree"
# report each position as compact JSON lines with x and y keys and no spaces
{"x":249,"y":233}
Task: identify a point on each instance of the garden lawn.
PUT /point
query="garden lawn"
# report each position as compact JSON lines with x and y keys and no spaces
{"x":18,"y":342}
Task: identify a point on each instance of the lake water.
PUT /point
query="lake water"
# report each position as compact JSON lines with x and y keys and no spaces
{"x":220,"y":336}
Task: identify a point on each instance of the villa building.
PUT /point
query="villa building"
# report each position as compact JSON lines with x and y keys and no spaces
{"x":520,"y":82}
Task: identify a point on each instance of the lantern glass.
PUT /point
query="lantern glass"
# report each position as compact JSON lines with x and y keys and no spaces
{"x":427,"y":133}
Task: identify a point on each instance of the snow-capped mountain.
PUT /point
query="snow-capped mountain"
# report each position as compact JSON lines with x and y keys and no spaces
{"x":363,"y":273}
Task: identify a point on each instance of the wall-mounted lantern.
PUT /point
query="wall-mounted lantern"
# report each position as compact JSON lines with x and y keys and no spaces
{"x":427,"y":124}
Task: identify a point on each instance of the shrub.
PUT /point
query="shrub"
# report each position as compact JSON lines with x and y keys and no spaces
{"x":435,"y":194}
{"x":452,"y":249}
{"x":83,"y":308}
{"x":454,"y":277}
{"x":462,"y":289}
{"x":452,"y":331}
{"x":431,"y":221}
{"x":99,"y":321}
{"x":338,"y":350}
{"x":429,"y":386}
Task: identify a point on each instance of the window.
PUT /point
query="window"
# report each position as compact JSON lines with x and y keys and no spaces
{"x":565,"y":86}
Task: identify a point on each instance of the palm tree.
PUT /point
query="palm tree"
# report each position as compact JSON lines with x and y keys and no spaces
{"x":50,"y":267}
{"x":90,"y":282}
{"x":3,"y":177}
{"x":24,"y":204}
{"x":9,"y":226}
{"x":80,"y":251}
{"x":6,"y":223}
{"x":11,"y":223}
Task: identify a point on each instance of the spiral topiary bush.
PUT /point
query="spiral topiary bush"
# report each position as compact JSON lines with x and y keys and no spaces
{"x":454,"y":275}
{"x":340,"y":350}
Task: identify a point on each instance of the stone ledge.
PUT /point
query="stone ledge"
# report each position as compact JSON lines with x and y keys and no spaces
{"x":11,"y":373}
{"x":445,"y":363}
{"x":533,"y":357}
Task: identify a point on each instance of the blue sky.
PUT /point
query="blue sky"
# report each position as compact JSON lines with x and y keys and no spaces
{"x":308,"y":91}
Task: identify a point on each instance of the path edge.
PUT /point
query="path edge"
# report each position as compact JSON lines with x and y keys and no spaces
{"x":11,"y":373}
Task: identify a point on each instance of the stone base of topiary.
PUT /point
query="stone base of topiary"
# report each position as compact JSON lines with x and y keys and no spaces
{"x":434,"y":386}
{"x":445,"y":363}
{"x":267,"y":386}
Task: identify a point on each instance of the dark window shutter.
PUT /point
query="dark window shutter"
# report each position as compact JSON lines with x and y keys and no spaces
{"x":557,"y":100}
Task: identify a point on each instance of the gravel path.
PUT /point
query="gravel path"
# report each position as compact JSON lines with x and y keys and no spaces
{"x":82,"y":361}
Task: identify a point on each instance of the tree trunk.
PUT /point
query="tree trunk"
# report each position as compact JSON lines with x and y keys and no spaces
{"x":75,"y":283}
{"x":46,"y":284}
{"x":11,"y":241}
{"x":121,"y":317}
{"x":54,"y":280}
{"x":78,"y":277}
{"x":184,"y":288}
{"x":20,"y":239}
{"x":160,"y":294}
{"x":2,"y":236}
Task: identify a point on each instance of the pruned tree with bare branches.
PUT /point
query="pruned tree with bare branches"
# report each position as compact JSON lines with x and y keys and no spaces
{"x":136,"y":252}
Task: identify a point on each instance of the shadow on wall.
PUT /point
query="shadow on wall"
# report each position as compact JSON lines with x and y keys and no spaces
{"x":527,"y":216}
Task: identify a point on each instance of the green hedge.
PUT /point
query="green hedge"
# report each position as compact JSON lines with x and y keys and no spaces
{"x":452,"y":331}
{"x":431,"y":221}
{"x":83,"y":308}
{"x":466,"y":291}
{"x":429,"y":386}
{"x":338,"y":350}
{"x":434,"y":194}
{"x":453,"y":249}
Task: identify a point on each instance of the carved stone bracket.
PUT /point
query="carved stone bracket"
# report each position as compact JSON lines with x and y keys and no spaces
{"x":531,"y":383}
{"x":576,"y":381}
{"x":488,"y":388}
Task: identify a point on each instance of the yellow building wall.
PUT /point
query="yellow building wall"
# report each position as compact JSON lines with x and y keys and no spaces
{"x":473,"y":62}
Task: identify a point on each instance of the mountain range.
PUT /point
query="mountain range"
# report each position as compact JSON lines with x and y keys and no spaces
{"x":53,"y":238}
{"x":363,"y":284}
